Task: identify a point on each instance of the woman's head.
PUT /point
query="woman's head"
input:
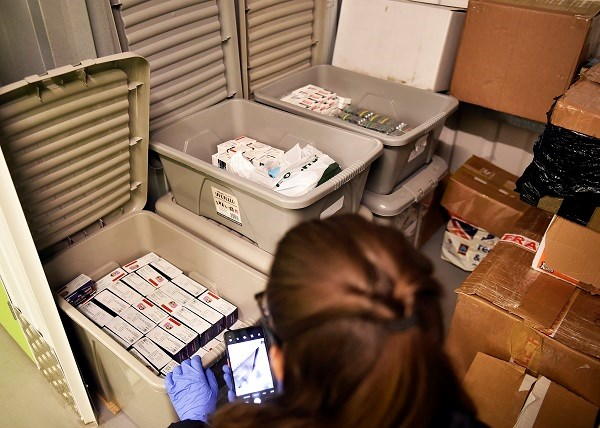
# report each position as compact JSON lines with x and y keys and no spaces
{"x":358,"y":316}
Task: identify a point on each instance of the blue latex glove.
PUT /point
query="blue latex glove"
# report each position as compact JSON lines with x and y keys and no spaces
{"x":193,"y":391}
{"x":227,"y":376}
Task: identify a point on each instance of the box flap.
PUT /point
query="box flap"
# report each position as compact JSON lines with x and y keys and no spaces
{"x":76,"y":142}
{"x":483,"y":194}
{"x":570,"y":251}
{"x":192,"y":49}
{"x":562,"y":408}
{"x":498,"y":389}
{"x":579,"y":108}
{"x":577,"y":8}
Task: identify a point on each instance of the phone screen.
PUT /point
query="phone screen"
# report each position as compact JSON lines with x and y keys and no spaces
{"x":249,"y":361}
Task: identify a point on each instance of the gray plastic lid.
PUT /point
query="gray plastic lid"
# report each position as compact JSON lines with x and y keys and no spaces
{"x":76,"y":143}
{"x":411,"y":190}
{"x":192,"y":48}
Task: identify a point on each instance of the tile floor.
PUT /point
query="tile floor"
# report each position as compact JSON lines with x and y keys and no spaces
{"x":27,"y":400}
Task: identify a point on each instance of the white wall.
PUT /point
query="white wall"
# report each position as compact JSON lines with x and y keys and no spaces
{"x":473,"y":131}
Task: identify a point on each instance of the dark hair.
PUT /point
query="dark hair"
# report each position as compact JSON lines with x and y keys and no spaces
{"x":338,"y":292}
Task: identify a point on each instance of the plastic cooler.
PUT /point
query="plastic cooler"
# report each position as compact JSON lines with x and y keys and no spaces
{"x":76,"y":142}
{"x":424,"y":111}
{"x":406,"y":206}
{"x":263,"y":215}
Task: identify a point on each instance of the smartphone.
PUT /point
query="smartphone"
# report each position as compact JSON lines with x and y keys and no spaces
{"x":248,"y":359}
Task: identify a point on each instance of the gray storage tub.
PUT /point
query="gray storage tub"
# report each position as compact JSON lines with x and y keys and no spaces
{"x":263,"y":215}
{"x":76,"y":143}
{"x":425,"y":111}
{"x":406,"y":206}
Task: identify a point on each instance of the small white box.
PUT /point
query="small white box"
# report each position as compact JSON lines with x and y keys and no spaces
{"x":411,"y":43}
{"x":189,"y":285}
{"x":144,"y":361}
{"x":95,"y":313}
{"x":164,"y":301}
{"x":153,"y":312}
{"x":128,"y":334}
{"x":124,"y":292}
{"x":169,"y":367}
{"x":141,"y":262}
{"x":152,"y":276}
{"x":200,"y":352}
{"x":109,"y":279}
{"x":221,"y":160}
{"x":226,"y":308}
{"x":196,"y":323}
{"x":108,"y":300}
{"x":176,"y":293}
{"x":214,"y":317}
{"x":169,"y":343}
{"x":138,"y":284}
{"x":179,"y":330}
{"x":151,"y":352}
{"x":213,"y":344}
{"x":136,"y":319}
{"x":166,"y":268}
{"x":243,"y":140}
{"x":223,"y":147}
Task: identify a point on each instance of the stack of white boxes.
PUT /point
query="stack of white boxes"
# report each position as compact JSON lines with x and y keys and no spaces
{"x":154,"y":310}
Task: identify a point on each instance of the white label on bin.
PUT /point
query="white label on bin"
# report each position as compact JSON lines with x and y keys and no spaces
{"x":419,"y":148}
{"x":333,"y":208}
{"x":227,"y":205}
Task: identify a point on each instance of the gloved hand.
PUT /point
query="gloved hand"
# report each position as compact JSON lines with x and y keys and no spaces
{"x":193,"y":392}
{"x":228,"y":376}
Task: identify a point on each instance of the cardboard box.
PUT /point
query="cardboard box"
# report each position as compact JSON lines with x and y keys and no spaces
{"x":555,"y":205}
{"x":479,"y":326}
{"x":570,"y":252}
{"x":578,"y":109}
{"x":506,"y":396}
{"x":483,"y":194}
{"x":510,"y":311}
{"x":404,"y":42}
{"x":517,"y":56}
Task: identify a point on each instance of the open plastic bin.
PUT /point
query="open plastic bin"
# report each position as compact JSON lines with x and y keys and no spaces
{"x":406,"y":206}
{"x":263,"y":215}
{"x":76,"y":142}
{"x":424,"y":111}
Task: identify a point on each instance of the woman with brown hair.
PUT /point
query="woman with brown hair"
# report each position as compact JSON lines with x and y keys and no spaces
{"x":356,"y":316}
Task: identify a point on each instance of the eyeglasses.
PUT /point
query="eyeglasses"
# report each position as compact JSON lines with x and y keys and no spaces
{"x":266,"y":320}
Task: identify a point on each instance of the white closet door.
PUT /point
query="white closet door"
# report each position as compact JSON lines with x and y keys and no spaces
{"x":29,"y":292}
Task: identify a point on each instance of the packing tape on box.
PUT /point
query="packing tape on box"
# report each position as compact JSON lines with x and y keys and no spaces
{"x":525,"y":347}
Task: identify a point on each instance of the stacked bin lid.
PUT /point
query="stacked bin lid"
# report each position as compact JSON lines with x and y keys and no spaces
{"x":280,"y":37}
{"x":424,"y":111}
{"x":192,"y":48}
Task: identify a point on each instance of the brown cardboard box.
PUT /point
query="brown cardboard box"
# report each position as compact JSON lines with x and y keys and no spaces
{"x":516,"y":56}
{"x":511,"y":311}
{"x":483,"y":194}
{"x":570,"y":252}
{"x":504,"y":395}
{"x":578,"y":109}
{"x":553,"y":205}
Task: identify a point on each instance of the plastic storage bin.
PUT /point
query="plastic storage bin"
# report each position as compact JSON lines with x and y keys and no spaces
{"x":406,"y":206}
{"x":185,"y":149}
{"x":425,"y":111}
{"x":76,"y":142}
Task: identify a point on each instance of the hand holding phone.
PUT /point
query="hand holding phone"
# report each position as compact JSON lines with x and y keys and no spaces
{"x":249,"y":361}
